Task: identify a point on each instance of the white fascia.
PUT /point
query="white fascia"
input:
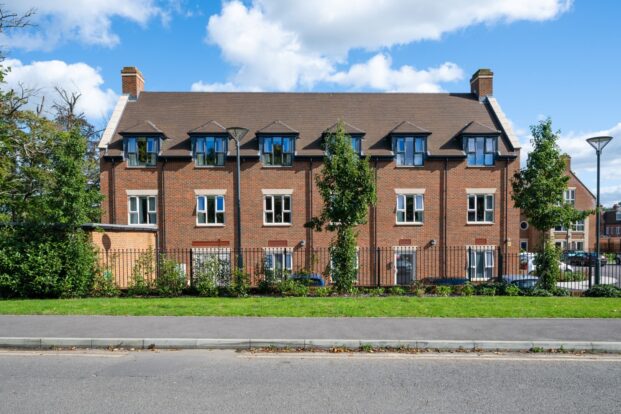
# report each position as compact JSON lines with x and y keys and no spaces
{"x":113,"y":122}
{"x":504,"y":121}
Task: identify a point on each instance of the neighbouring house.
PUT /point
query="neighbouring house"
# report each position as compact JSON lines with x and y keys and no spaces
{"x":611,"y":229}
{"x":442,"y":164}
{"x":580,"y":235}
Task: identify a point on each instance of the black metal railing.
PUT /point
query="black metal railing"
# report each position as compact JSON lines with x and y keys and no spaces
{"x":377,"y":267}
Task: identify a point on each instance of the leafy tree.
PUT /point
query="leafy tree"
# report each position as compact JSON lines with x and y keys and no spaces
{"x":347,"y":187}
{"x":538,"y":191}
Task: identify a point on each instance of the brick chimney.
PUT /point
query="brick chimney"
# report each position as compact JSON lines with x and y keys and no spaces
{"x":482,"y":83}
{"x":132,"y":80}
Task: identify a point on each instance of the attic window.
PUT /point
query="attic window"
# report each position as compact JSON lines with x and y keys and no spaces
{"x":210,"y":151}
{"x":141,"y":151}
{"x":277,"y":151}
{"x":481,"y":151}
{"x":410,"y":151}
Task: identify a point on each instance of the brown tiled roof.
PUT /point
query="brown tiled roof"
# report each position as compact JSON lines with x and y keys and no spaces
{"x":209,"y":127}
{"x":443,"y":115}
{"x":277,"y":127}
{"x":142,"y":127}
{"x":349,"y":128}
{"x":407,"y":127}
{"x":477,"y":128}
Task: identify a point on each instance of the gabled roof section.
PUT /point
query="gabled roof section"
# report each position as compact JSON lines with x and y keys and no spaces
{"x":113,"y":123}
{"x":407,"y":127}
{"x":144,"y":127}
{"x":349,"y":129}
{"x":477,"y":128}
{"x":277,"y":127}
{"x":209,"y":127}
{"x":504,"y":122}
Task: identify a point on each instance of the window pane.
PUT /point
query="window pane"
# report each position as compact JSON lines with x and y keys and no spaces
{"x":287,"y":159}
{"x":471,"y":145}
{"x":480,"y":208}
{"x":287,"y":260}
{"x":286,"y":145}
{"x":480,"y":265}
{"x":420,"y":145}
{"x":199,"y":145}
{"x":267,"y":159}
{"x":133,"y":206}
{"x":409,"y":151}
{"x":278,"y":209}
{"x":480,"y":151}
{"x":220,"y":218}
{"x":489,"y":159}
{"x":489,"y":258}
{"x":131,"y":144}
{"x":489,"y":216}
{"x":471,"y":202}
{"x":286,"y":218}
{"x":472,"y":159}
{"x":400,"y":202}
{"x":267,"y":145}
{"x":489,"y":202}
{"x":419,"y":202}
{"x":471,"y":216}
{"x":418,"y":159}
{"x":400,"y":216}
{"x":202,"y":217}
{"x":418,"y":216}
{"x":220,"y":145}
{"x":490,"y":145}
{"x":211,"y":210}
{"x":287,"y":201}
{"x":269,"y":217}
{"x":151,"y":203}
{"x":143,"y":210}
{"x":150,"y":145}
{"x":268,"y":203}
{"x":152,"y":218}
{"x":409,"y":208}
{"x":400,"y":145}
{"x":400,"y":159}
{"x":220,"y":203}
{"x":133,"y":218}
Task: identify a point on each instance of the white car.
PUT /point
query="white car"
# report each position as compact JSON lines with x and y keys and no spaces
{"x":527,"y":262}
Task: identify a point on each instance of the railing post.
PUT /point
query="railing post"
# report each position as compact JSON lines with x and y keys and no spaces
{"x":500,"y":264}
{"x":590,"y":276}
{"x":377,"y":266}
{"x":468,"y":259}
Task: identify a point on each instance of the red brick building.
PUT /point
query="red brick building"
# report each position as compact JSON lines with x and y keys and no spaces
{"x":442,"y":163}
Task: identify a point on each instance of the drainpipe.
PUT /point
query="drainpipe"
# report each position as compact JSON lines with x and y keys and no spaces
{"x":162,"y":201}
{"x":445,"y":203}
{"x":112,"y":193}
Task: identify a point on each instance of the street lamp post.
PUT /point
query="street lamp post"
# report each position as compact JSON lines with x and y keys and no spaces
{"x":237,"y":133}
{"x":598,"y":143}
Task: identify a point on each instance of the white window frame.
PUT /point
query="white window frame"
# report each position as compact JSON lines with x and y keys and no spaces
{"x":486,"y":209}
{"x":569,"y":196}
{"x":136,"y":212}
{"x":286,"y":254}
{"x":205,"y":211}
{"x":489,"y":253}
{"x":200,"y":254}
{"x":398,"y":250}
{"x":272,"y":211}
{"x":578,"y":226}
{"x":416,"y":209}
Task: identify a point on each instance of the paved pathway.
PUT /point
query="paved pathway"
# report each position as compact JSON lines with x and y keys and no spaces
{"x":316,"y":328}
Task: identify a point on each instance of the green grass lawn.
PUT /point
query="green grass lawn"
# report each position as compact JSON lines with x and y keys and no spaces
{"x":476,"y":306}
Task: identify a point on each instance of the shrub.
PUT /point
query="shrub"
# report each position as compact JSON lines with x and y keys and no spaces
{"x":443,"y":290}
{"x":558,"y":291}
{"x":291,"y":287}
{"x":603,"y":291}
{"x":322,"y":291}
{"x":376,"y":291}
{"x":171,"y":279}
{"x":104,"y":284}
{"x":240,"y":285}
{"x":486,"y":290}
{"x":537,"y":292}
{"x":512,"y":290}
{"x":143,"y":273}
{"x":567,"y":276}
{"x":210,"y":274}
{"x":468,"y":289}
{"x":547,"y":266}
{"x":396,"y":290}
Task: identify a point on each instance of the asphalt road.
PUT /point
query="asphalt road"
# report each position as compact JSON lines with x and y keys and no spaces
{"x":229,"y":382}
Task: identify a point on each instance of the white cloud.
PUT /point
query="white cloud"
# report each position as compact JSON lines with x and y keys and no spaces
{"x":86,"y":21}
{"x":286,"y":45}
{"x":583,"y":160}
{"x":95,"y":101}
{"x":218,"y":87}
{"x":377,"y":73}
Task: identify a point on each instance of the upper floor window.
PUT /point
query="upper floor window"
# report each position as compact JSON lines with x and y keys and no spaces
{"x":142,"y":210}
{"x":277,"y":151}
{"x":356,"y":143}
{"x":410,"y":151}
{"x":141,"y":151}
{"x":210,"y":151}
{"x":481,"y":208}
{"x":210,"y":209}
{"x":569,"y":196}
{"x":277,"y":209}
{"x":410,"y":208}
{"x":578,"y":225}
{"x":481,"y":151}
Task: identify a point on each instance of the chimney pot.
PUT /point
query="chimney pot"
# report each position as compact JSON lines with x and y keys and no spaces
{"x":132,"y":81}
{"x":482,"y":83}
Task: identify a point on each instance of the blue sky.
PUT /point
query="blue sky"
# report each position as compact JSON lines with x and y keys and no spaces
{"x":556,"y":58}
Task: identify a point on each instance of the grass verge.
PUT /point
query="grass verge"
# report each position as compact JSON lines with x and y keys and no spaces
{"x":406,"y":306}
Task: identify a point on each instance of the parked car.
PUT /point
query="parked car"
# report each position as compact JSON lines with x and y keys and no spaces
{"x":583,"y":258}
{"x":527,"y":263}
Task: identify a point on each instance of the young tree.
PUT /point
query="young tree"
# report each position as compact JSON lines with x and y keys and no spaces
{"x":538,"y":191}
{"x":347,"y":187}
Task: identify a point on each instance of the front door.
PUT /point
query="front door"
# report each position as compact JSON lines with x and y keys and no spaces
{"x":405,"y":267}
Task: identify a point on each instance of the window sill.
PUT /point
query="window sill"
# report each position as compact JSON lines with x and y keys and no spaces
{"x":276,"y":166}
{"x":210,"y":225}
{"x":207,"y":167}
{"x":410,"y":166}
{"x":140,"y":167}
{"x":480,"y":223}
{"x":409,"y":224}
{"x":152,"y":226}
{"x":480,"y":166}
{"x":277,"y":224}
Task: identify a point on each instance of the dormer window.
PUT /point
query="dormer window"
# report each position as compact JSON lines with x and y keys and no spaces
{"x":410,"y":151}
{"x":277,"y":151}
{"x":141,"y":151}
{"x":356,"y":143}
{"x":481,"y":151}
{"x":210,"y":151}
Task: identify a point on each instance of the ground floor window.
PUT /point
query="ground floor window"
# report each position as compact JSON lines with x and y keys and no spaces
{"x":480,"y":263}
{"x":278,"y":262}
{"x":213,"y":263}
{"x":577,"y":245}
{"x":405,"y":265}
{"x":561,"y":244}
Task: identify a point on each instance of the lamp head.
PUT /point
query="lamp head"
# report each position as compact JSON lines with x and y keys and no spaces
{"x":599,"y":142}
{"x":237,"y":133}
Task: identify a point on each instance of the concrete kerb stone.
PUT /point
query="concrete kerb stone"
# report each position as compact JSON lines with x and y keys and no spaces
{"x":351,"y":344}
